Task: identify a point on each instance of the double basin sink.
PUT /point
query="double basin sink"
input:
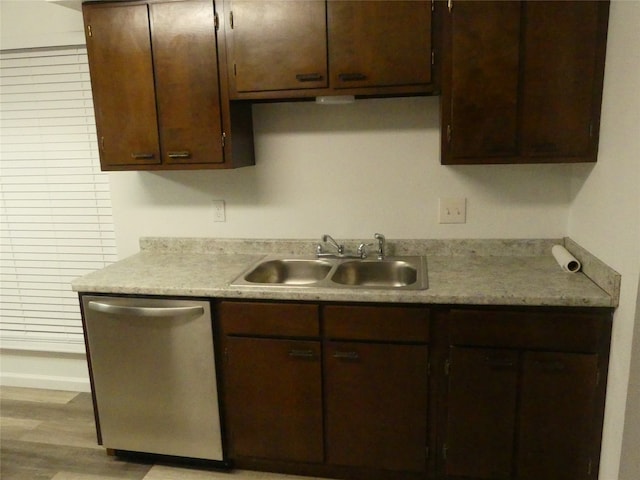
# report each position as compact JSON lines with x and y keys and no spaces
{"x":405,"y":273}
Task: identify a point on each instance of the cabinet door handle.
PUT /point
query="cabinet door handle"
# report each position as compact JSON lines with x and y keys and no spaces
{"x":346,"y":355}
{"x":149,"y":312}
{"x":351,"y":77}
{"x":308,"y":77}
{"x":183,"y":154}
{"x":551,"y":365}
{"x":302,"y":353}
{"x":500,"y":362}
{"x":544,"y":148}
{"x":142,"y":155}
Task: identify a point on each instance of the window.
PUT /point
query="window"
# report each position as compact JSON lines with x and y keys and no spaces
{"x":55,"y":207}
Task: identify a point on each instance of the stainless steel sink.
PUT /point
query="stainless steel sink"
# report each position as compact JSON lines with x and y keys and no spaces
{"x":392,"y":273}
{"x":385,"y":273}
{"x":289,"y":272}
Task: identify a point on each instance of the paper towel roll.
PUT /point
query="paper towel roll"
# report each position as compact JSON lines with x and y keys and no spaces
{"x":568,"y":262}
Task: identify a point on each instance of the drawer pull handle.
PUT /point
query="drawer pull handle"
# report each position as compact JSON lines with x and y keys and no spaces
{"x":551,"y":365}
{"x":183,"y":154}
{"x":308,"y":77}
{"x":142,"y":155}
{"x":544,"y":148}
{"x":148,"y":312}
{"x":501,"y":152}
{"x":302,"y":353}
{"x":351,"y":77}
{"x":498,"y":362}
{"x":346,"y":355}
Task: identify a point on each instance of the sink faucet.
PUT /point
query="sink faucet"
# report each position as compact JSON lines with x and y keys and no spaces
{"x":381,"y":245}
{"x":329,"y":239}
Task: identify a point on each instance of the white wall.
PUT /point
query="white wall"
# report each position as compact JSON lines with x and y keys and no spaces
{"x":605,"y":219}
{"x":37,"y":23}
{"x":630,"y":458}
{"x":348,"y":170}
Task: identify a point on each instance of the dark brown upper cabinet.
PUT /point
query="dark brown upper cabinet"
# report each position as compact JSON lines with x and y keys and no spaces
{"x":379,"y":44}
{"x":522,"y":81}
{"x":158,"y":100}
{"x":278,"y":45}
{"x":285,"y":49}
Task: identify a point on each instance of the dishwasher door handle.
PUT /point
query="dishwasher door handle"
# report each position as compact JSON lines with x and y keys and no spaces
{"x":157,"y":312}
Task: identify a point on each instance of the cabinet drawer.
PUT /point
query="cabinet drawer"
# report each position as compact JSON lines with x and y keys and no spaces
{"x":403,"y":324}
{"x":550,"y":330}
{"x":269,"y":319}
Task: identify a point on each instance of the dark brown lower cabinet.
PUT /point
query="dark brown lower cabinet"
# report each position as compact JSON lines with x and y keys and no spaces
{"x":326,"y":390}
{"x":274,"y":398}
{"x":481,"y":418}
{"x":557,"y":406}
{"x":376,"y":399}
{"x":406,"y":392}
{"x":525,"y":415}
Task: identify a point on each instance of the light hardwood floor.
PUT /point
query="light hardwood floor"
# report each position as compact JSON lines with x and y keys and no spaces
{"x":50,"y":435}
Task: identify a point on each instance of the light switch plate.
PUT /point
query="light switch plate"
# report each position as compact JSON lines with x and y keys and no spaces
{"x":218,"y":211}
{"x":453,"y":210}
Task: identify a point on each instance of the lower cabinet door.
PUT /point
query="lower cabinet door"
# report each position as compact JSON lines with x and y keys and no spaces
{"x":556,"y":416}
{"x":376,"y":405}
{"x":274,"y":401}
{"x":481,"y":418}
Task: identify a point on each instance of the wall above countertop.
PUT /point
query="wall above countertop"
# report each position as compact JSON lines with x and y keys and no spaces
{"x":346,"y":170}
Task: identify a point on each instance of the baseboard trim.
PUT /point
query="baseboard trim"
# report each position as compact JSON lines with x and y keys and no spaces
{"x":46,"y":370}
{"x":47,"y":382}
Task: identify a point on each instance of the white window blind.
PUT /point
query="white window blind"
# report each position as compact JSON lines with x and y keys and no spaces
{"x":55,"y":206}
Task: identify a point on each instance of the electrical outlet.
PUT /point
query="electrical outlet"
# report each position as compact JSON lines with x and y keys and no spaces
{"x":218,"y":211}
{"x":453,"y":210}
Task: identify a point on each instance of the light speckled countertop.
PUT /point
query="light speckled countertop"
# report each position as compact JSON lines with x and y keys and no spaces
{"x":472,"y":272}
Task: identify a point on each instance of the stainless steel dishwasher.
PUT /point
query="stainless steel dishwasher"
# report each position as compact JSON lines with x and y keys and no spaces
{"x":153,"y":375}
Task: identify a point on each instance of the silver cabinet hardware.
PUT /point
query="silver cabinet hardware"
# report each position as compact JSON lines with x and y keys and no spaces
{"x":142,"y":155}
{"x":302,"y":353}
{"x":346,"y":355}
{"x":182,"y":154}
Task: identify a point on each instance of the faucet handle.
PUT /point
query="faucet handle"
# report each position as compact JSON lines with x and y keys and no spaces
{"x":381,"y":245}
{"x":362,"y":249}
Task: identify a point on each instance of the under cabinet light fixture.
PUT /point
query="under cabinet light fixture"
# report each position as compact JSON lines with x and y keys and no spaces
{"x":335,"y":99}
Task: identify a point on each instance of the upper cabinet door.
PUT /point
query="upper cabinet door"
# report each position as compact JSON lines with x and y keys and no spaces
{"x":522,"y":81}
{"x":187,"y":88}
{"x":157,"y":94}
{"x":379,"y":43}
{"x":277,"y":45}
{"x":561,"y":88}
{"x":483,"y":84}
{"x":120,"y":60}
